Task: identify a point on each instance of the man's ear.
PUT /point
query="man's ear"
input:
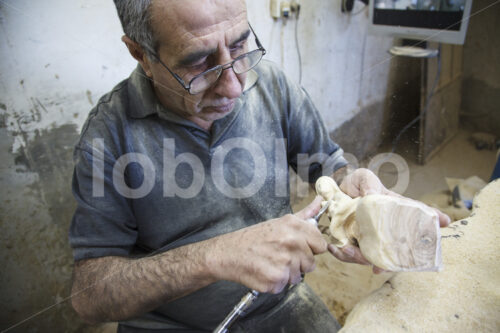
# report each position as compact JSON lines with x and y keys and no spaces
{"x":138,"y":53}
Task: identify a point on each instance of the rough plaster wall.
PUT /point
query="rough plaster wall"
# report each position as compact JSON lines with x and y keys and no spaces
{"x":381,"y":121}
{"x":343,"y":69}
{"x":57,"y":58}
{"x":481,"y":84}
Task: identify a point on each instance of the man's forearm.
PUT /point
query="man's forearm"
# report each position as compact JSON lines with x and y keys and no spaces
{"x":117,"y":288}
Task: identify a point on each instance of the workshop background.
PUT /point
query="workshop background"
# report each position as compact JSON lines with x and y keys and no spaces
{"x":57,"y":57}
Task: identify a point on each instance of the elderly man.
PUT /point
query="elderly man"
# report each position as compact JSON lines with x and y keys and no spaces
{"x":181,"y":180}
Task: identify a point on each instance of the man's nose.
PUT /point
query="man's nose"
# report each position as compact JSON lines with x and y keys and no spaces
{"x":228,"y":85}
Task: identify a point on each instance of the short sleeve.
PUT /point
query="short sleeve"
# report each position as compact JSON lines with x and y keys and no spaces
{"x":311,"y":151}
{"x":103,"y":223}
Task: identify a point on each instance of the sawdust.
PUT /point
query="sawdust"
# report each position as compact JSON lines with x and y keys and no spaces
{"x":341,"y":285}
{"x":464,"y":297}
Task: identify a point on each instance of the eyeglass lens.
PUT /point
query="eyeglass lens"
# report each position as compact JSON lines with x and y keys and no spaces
{"x":240,"y":66}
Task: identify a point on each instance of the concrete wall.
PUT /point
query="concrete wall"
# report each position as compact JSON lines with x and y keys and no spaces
{"x":344,"y":69}
{"x":58,"y":57}
{"x":481,"y":84}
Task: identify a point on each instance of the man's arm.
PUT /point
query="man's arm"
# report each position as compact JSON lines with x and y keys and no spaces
{"x":115,"y":288}
{"x":265,"y":257}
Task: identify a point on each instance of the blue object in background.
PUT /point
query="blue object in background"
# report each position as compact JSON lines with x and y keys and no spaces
{"x":468,"y":204}
{"x":496,"y":171}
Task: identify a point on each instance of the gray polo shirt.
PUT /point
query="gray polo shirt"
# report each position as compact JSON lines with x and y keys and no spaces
{"x":147,"y":180}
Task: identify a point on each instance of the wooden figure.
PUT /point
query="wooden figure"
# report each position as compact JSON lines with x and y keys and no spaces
{"x":393,"y":233}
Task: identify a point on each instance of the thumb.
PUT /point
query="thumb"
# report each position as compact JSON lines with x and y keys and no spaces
{"x":444,"y":220}
{"x":311,"y":209}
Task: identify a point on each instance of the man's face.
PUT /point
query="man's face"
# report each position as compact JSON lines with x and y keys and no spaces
{"x":193,"y":36}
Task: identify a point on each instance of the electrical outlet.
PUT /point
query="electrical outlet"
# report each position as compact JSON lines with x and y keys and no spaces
{"x":275,"y":9}
{"x":285,"y":9}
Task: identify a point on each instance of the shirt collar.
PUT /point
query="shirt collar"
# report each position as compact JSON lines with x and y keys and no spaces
{"x":142,"y":98}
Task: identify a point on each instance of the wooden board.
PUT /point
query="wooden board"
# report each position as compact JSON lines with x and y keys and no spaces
{"x":439,"y":123}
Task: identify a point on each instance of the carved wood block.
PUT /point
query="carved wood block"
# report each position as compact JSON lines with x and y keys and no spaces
{"x":393,"y":233}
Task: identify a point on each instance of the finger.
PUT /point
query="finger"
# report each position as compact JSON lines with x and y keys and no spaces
{"x":338,"y":254}
{"x":307,"y":263}
{"x":348,"y":187}
{"x":295,"y":273}
{"x":314,"y":241}
{"x":444,"y":220}
{"x":308,"y":267}
{"x":369,"y":183}
{"x":317,"y":244}
{"x":278,"y":288}
{"x":311,"y":209}
{"x":356,"y":254}
{"x":378,"y":270}
{"x":350,"y":254}
{"x":281,"y":283}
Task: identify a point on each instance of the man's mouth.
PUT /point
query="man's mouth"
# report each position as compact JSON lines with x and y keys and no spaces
{"x":223,"y":108}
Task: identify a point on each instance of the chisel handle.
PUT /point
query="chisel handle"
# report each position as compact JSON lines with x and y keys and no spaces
{"x":237,"y":311}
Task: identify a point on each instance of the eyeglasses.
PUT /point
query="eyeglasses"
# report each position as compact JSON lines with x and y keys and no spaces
{"x":208,"y":78}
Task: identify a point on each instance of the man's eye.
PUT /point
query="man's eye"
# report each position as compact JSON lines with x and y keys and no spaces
{"x":238,"y":47}
{"x":198,"y":67}
{"x":199,"y":63}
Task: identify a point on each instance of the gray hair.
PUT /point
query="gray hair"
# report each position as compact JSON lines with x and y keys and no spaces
{"x":135,"y":16}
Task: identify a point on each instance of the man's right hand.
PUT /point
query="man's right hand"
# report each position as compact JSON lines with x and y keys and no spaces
{"x":268,"y":256}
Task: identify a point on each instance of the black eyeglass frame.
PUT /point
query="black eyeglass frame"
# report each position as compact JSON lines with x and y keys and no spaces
{"x":187,"y":87}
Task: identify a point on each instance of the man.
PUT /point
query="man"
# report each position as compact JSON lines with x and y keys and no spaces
{"x":160,"y":246}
